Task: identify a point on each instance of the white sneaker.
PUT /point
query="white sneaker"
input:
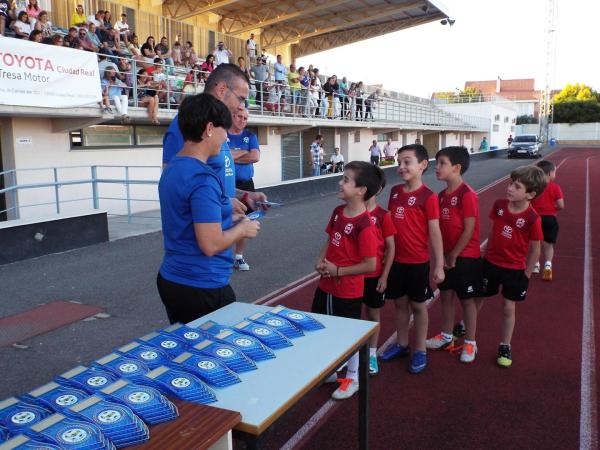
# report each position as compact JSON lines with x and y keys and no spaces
{"x":536,"y":268}
{"x":348,"y":387}
{"x":468,"y":353}
{"x":438,"y":342}
{"x":241,"y":265}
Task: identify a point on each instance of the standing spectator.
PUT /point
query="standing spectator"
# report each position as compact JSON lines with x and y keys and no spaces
{"x":33,"y":10}
{"x":43,"y":24}
{"x":21,"y":26}
{"x":122,"y":28}
{"x":36,"y":36}
{"x":189,"y":58}
{"x":78,"y":18}
{"x":207,"y":66}
{"x":6,"y":12}
{"x":251,"y":49}
{"x":295,"y":88}
{"x":331,"y":88}
{"x":260,"y":73}
{"x":337,"y":161}
{"x":222,"y":54}
{"x":244,"y":68}
{"x":149,"y":50}
{"x":316,"y":152}
{"x":304,"y":85}
{"x":112,"y":90}
{"x":375,"y":152}
{"x":359,"y":100}
{"x":351,"y":101}
{"x":280,"y":75}
{"x":483,"y":147}
{"x":509,"y":140}
{"x":147,"y":95}
{"x":313,"y":98}
{"x":370,"y":102}
{"x":390,"y":150}
{"x":163,"y":51}
{"x":343,"y":92}
{"x":246,"y":152}
{"x":322,"y":102}
{"x":177,"y":54}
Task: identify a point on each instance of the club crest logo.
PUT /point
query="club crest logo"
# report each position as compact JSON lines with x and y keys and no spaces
{"x":246,"y":140}
{"x":500,"y":212}
{"x":520,"y":222}
{"x":412,"y":200}
{"x":454,"y":201}
{"x":348,"y":228}
{"x":227,"y":161}
{"x":507,"y":231}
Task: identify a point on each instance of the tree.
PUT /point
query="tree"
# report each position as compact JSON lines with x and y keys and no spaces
{"x":525,"y":119}
{"x":577,"y":112}
{"x":576,"y":93}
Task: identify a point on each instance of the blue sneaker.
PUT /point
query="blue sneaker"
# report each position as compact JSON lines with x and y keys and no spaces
{"x":373,"y":366}
{"x":395,"y":351}
{"x":418,"y":362}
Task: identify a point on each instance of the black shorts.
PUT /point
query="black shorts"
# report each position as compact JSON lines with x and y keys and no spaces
{"x":247,"y":185}
{"x":464,"y":278}
{"x":186,"y":303}
{"x":324,"y":303}
{"x":514,"y":282}
{"x":371,"y":297}
{"x":550,"y":229}
{"x":410,"y":280}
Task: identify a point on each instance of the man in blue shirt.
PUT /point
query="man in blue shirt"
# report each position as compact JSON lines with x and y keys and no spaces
{"x":245,"y":150}
{"x":280,"y":76}
{"x":230,"y":85}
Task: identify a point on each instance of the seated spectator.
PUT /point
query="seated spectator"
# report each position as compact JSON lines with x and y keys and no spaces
{"x":104,"y":62}
{"x":160,"y":78}
{"x":163,"y":51}
{"x":6,"y":14}
{"x":189,"y":57}
{"x":43,"y":24}
{"x":71,"y":39}
{"x":147,"y":95}
{"x":58,"y":40}
{"x":122,"y":27}
{"x":21,"y":26}
{"x":36,"y":36}
{"x":78,"y":19}
{"x":193,"y":83}
{"x":93,"y":35}
{"x":85,"y":40}
{"x":125,"y":73}
{"x":33,"y":10}
{"x":177,"y":57}
{"x":207,"y":66}
{"x":337,"y":161}
{"x":112,"y":90}
{"x":149,"y":50}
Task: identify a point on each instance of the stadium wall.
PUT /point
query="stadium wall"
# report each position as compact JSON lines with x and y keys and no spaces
{"x":577,"y":133}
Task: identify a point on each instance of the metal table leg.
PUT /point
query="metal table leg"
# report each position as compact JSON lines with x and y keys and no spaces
{"x":363,"y":397}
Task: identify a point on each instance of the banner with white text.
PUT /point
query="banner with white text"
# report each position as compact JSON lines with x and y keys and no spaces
{"x":33,"y":74}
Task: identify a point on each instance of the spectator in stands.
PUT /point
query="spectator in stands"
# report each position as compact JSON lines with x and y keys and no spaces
{"x":304,"y":85}
{"x":149,"y":50}
{"x":6,"y":14}
{"x":177,"y":54}
{"x":418,"y":141}
{"x":194,"y":82}
{"x":112,"y":90}
{"x":260,"y":74}
{"x":359,"y":100}
{"x":135,"y":50}
{"x":104,"y":62}
{"x":351,"y":101}
{"x":147,"y":95}
{"x":93,"y":36}
{"x":390,"y":150}
{"x":71,"y":39}
{"x":313,"y":98}
{"x":251,"y":49}
{"x":36,"y":36}
{"x":337,"y":161}
{"x":295,"y":88}
{"x":21,"y":26}
{"x":370,"y":104}
{"x":375,"y":152}
{"x":207,"y":66}
{"x":98,"y":20}
{"x":124,"y":72}
{"x":107,"y":21}
{"x":316,"y":152}
{"x":244,"y":68}
{"x":343,"y":92}
{"x":160,"y":79}
{"x":122,"y":28}
{"x":322,"y":103}
{"x":189,"y":57}
{"x":43,"y":24}
{"x":164,"y":52}
{"x":331,"y":88}
{"x":85,"y":40}
{"x":280,"y":75}
{"x":78,"y":18}
{"x":222,"y":54}
{"x":58,"y":40}
{"x":33,"y":10}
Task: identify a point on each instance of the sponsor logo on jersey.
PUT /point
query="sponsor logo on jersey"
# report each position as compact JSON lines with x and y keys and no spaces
{"x":399,"y":214}
{"x":337,"y":239}
{"x":507,"y":231}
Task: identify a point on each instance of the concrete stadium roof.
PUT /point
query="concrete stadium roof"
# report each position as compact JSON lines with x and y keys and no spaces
{"x":310,"y":25}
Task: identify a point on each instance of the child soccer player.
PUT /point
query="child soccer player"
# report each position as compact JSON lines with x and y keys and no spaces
{"x":547,"y":204}
{"x":376,"y":282}
{"x":349,"y":253}
{"x":415,"y":213}
{"x":513,"y":248}
{"x":459,"y":223}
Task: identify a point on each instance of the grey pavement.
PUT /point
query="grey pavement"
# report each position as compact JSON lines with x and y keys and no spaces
{"x":119,"y":276}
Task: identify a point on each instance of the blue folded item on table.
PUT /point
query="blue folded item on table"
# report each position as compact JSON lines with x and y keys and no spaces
{"x":255,"y":215}
{"x":22,"y":442}
{"x":147,"y":402}
{"x":279,"y":323}
{"x":233,"y":358}
{"x":209,"y":369}
{"x":251,"y":346}
{"x":191,"y":336}
{"x":123,"y":367}
{"x":181,"y":384}
{"x":70,"y":433}
{"x":90,"y":379}
{"x":56,"y":396}
{"x":299,"y":318}
{"x":264,"y":333}
{"x":169,"y":343}
{"x":153,"y":357}
{"x":17,"y":415}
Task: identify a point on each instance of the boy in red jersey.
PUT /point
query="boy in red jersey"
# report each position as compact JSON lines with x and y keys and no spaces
{"x":459,"y":223}
{"x":415,"y":213}
{"x":513,"y":248}
{"x":547,"y":204}
{"x":376,"y":282}
{"x":349,"y":253}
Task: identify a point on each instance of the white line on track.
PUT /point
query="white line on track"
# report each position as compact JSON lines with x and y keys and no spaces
{"x":588,"y":425}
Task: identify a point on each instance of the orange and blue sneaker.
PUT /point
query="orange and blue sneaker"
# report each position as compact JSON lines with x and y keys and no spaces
{"x":418,"y":362}
{"x":469,"y":350}
{"x":348,"y":387}
{"x":395,"y":351}
{"x":439,"y":342}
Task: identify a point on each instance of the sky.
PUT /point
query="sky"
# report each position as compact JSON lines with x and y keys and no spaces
{"x":490,"y":39}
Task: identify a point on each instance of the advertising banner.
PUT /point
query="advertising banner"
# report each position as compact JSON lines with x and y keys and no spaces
{"x":33,"y":74}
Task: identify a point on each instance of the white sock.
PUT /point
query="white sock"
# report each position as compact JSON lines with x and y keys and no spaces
{"x":372,"y":351}
{"x":537,"y":264}
{"x":352,"y":371}
{"x":471,"y":342}
{"x":447,"y":336}
{"x":239,"y":256}
{"x":548,"y":264}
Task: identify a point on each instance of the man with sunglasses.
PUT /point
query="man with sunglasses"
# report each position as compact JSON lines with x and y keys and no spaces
{"x":230,"y":85}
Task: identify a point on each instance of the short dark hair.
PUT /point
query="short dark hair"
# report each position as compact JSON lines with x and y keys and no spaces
{"x":456,"y":155}
{"x":318,"y":137}
{"x":224,"y":73}
{"x":420,"y":152}
{"x":532,"y":177}
{"x":365,"y":176}
{"x":380,"y":175}
{"x":546,"y":166}
{"x":196,"y":111}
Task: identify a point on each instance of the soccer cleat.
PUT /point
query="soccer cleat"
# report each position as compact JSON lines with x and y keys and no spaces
{"x":536,"y":268}
{"x":348,"y":387}
{"x":468,"y":353}
{"x":504,"y":356}
{"x":373,"y":366}
{"x":547,"y":274}
{"x":241,"y":265}
{"x":459,"y":330}
{"x":438,"y":342}
{"x":418,"y":362}
{"x":395,"y":351}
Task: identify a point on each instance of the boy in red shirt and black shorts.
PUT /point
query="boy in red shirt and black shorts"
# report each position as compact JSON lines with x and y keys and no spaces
{"x":459,"y":223}
{"x":349,"y":253}
{"x":547,"y":204}
{"x":513,"y":248}
{"x":415,"y":214}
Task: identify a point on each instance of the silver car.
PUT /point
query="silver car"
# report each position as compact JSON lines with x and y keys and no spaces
{"x":526,"y":145}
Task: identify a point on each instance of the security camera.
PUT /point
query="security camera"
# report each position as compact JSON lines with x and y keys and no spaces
{"x":447,"y":21}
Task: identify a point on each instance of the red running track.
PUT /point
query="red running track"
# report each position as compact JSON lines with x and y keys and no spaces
{"x":537,"y":403}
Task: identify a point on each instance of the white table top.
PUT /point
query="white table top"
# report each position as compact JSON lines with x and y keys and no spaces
{"x":265,"y":394}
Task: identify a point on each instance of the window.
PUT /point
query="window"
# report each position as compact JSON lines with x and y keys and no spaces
{"x":382,"y":137}
{"x":496,"y":127}
{"x":497,"y":118}
{"x":506,"y":119}
{"x":117,"y":136}
{"x":512,"y":129}
{"x":149,"y":135}
{"x":356,"y":137}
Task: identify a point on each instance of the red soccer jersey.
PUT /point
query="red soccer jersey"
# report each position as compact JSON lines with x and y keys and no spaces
{"x":384,"y":228}
{"x":545,"y":203}
{"x":511,"y":233}
{"x":351,"y":239}
{"x":411,"y":213}
{"x":454,"y":208}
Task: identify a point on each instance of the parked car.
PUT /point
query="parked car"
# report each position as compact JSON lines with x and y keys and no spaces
{"x":527,"y":145}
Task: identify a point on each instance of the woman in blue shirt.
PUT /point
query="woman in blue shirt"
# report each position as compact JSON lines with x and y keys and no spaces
{"x":197,"y":221}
